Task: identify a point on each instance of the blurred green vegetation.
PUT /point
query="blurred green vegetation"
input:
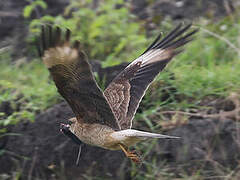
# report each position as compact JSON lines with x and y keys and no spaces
{"x":109,"y":32}
{"x":27,"y":88}
{"x":209,"y":67}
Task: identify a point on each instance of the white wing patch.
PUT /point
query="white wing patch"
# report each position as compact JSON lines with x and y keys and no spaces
{"x":152,"y":56}
{"x":59,"y":55}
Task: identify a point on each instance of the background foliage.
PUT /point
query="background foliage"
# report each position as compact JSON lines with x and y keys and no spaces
{"x":108,"y":32}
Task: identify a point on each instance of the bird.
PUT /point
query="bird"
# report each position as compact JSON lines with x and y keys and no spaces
{"x":104,"y":118}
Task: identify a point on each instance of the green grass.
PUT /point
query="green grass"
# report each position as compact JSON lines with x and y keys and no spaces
{"x":209,"y":66}
{"x":27,"y":87}
{"x":31,"y":80}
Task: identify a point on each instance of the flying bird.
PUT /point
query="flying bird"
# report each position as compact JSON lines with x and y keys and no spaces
{"x":104,"y":118}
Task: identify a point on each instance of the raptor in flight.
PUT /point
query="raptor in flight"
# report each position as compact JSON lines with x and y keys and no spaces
{"x":104,"y":118}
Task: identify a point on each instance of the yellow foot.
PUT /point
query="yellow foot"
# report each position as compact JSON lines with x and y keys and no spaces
{"x":131,"y":154}
{"x":134,"y":157}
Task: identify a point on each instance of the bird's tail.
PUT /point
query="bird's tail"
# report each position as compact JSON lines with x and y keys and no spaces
{"x":140,"y":134}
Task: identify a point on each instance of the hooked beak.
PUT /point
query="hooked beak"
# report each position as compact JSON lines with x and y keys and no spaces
{"x":65,"y":129}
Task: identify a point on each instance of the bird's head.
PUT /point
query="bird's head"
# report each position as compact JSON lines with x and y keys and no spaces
{"x":72,"y":123}
{"x":66,"y":129}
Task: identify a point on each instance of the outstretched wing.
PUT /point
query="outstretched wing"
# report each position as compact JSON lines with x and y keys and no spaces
{"x":125,"y":92}
{"x":73,"y":77}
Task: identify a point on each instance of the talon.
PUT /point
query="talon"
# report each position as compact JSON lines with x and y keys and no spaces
{"x":136,"y":160}
{"x":131,"y":155}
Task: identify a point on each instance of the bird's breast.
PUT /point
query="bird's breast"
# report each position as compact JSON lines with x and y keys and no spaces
{"x":93,"y":134}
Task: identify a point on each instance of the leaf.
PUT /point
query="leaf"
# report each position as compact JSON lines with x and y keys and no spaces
{"x":123,"y":42}
{"x":48,"y":18}
{"x":30,"y":8}
{"x":40,"y":3}
{"x":3,"y":130}
{"x":27,"y":11}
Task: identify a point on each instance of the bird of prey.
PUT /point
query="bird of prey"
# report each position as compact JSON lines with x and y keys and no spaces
{"x":104,"y":118}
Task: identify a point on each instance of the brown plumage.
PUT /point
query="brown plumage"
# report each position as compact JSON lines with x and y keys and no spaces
{"x":132,"y":83}
{"x":104,"y":119}
{"x":73,"y":77}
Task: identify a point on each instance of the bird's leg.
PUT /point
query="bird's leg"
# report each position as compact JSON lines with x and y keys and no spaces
{"x":132,"y":155}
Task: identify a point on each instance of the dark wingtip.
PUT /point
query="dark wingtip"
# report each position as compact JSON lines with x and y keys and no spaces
{"x":51,"y":36}
{"x":58,"y":33}
{"x":182,"y":40}
{"x":176,"y":37}
{"x":177,"y":31}
{"x":153,"y":43}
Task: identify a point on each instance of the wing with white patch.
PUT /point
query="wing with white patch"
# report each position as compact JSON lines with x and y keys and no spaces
{"x":73,"y":77}
{"x":125,"y":92}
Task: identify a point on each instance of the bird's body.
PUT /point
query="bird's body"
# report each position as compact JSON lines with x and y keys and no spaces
{"x":101,"y":136}
{"x":105,"y":137}
{"x":104,"y":118}
{"x":93,"y":134}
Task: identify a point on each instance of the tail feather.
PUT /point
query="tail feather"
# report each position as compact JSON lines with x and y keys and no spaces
{"x":140,"y":134}
{"x":153,"y":135}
